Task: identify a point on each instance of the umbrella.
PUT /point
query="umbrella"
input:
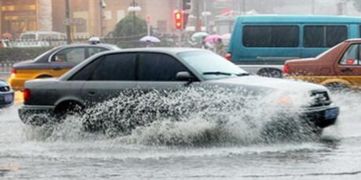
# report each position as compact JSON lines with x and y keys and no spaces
{"x":198,"y":36}
{"x":213,"y":38}
{"x":150,"y":39}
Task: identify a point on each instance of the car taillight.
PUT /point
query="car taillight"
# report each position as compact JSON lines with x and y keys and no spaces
{"x":26,"y":95}
{"x":228,"y":56}
{"x":286,"y":69}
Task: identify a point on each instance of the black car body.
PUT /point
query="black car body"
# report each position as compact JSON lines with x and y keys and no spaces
{"x":105,"y":75}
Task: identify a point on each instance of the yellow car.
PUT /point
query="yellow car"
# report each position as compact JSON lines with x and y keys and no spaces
{"x":54,"y":62}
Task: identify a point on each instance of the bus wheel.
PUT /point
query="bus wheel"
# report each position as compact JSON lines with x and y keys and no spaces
{"x":270,"y":72}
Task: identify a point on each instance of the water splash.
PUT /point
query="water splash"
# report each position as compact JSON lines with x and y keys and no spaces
{"x":197,"y":116}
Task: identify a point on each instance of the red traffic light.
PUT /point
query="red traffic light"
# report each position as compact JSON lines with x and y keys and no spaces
{"x":178,"y":19}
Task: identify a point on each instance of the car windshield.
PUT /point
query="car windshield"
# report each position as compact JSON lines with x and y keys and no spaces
{"x":210,"y":65}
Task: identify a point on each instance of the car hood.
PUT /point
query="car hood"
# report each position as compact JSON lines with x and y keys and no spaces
{"x":265,"y":83}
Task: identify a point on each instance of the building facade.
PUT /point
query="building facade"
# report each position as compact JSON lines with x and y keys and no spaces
{"x":88,"y":17}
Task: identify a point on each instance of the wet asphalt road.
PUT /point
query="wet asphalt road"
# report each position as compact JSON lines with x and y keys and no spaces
{"x":70,"y":153}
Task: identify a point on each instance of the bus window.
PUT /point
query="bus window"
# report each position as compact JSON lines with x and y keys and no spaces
{"x":271,"y":36}
{"x":324,"y":36}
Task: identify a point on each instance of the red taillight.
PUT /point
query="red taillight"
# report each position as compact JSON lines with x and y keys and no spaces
{"x":13,"y":71}
{"x":26,"y":95}
{"x":286,"y":69}
{"x":228,"y":56}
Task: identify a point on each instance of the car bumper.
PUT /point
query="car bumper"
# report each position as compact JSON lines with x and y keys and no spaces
{"x":322,"y":116}
{"x":6,"y":99}
{"x":17,"y":84}
{"x":35,"y":115}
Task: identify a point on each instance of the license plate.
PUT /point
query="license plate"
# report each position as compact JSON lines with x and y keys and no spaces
{"x":8,"y":98}
{"x":331,"y":113}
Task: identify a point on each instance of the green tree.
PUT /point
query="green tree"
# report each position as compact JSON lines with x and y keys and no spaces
{"x":130,"y":26}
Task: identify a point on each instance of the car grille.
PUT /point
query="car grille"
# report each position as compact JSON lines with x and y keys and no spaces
{"x":319,"y":98}
{"x":5,"y":89}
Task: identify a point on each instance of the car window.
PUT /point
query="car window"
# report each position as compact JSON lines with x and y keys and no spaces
{"x":158,"y":67}
{"x":324,"y":36}
{"x":95,"y":50}
{"x":351,"y":56}
{"x":86,"y":72}
{"x":271,"y":36}
{"x":210,"y":65}
{"x":115,"y":67}
{"x":71,"y":55}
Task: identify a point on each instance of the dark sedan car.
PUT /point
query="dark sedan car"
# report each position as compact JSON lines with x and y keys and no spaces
{"x":165,"y":70}
{"x":54,"y":62}
{"x":6,"y":94}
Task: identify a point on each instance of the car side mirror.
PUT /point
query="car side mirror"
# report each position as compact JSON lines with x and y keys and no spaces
{"x":184,"y":76}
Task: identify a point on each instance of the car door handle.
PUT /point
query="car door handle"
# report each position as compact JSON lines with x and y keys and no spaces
{"x":346,"y":70}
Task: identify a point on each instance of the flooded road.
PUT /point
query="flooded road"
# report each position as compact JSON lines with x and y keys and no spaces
{"x":70,"y":153}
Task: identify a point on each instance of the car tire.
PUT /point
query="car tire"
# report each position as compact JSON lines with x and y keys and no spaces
{"x":63,"y":110}
{"x":270,"y":72}
{"x":290,"y":129}
{"x":337,"y":87}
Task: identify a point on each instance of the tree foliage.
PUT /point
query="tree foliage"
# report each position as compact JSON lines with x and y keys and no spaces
{"x":130,"y":26}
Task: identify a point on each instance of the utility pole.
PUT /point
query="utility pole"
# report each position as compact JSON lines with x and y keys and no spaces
{"x":68,"y":22}
{"x":198,"y":14}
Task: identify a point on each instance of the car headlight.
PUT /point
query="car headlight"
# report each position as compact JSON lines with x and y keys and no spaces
{"x":284,"y":100}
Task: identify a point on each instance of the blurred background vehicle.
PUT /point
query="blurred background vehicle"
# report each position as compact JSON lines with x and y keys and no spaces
{"x":261,"y":43}
{"x":6,"y":94}
{"x":54,"y":62}
{"x":39,"y":39}
{"x":339,"y":67}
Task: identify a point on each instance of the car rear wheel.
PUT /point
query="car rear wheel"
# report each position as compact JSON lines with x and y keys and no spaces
{"x":43,"y":76}
{"x":270,"y":72}
{"x":65,"y":109}
{"x":336,"y":87}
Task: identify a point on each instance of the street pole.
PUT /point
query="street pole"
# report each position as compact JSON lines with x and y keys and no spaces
{"x":101,"y":17}
{"x":133,"y":18}
{"x":67,"y":22}
{"x":197,"y":12}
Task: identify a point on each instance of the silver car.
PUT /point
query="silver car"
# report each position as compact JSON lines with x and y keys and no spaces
{"x":105,"y":75}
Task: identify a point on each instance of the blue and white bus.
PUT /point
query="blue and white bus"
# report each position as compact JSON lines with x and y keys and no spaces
{"x":261,"y":43}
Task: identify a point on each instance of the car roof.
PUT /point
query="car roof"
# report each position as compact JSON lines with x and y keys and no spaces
{"x":167,"y":50}
{"x":354,"y":40}
{"x":104,"y":45}
{"x":298,"y":19}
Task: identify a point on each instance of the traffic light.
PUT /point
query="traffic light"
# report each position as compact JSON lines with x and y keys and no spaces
{"x":187,"y":4}
{"x":179,"y":19}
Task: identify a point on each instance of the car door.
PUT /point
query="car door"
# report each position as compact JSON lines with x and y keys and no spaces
{"x":349,"y":66}
{"x":65,"y":59}
{"x":157,"y":74}
{"x":111,"y":75}
{"x":157,"y":71}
